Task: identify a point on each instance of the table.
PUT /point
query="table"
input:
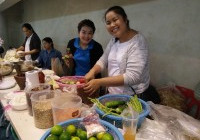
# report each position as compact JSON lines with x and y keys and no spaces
{"x":21,"y":121}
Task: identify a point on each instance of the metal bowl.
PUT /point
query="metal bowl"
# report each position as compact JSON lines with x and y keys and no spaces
{"x":6,"y":68}
{"x":27,"y":66}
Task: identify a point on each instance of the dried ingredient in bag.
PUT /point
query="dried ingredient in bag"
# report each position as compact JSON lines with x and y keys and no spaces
{"x":170,"y":96}
{"x":92,"y":125}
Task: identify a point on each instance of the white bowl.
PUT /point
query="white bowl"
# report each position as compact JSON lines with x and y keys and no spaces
{"x":48,"y":72}
{"x":11,"y":95}
{"x":19,"y":102}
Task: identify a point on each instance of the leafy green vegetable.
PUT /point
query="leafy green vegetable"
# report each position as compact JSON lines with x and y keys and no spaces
{"x":135,"y":104}
{"x":119,"y":106}
{"x":108,"y":111}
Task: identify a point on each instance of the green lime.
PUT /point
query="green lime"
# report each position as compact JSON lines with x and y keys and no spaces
{"x":78,"y":131}
{"x":92,"y":138}
{"x":75,"y":138}
{"x":56,"y":130}
{"x":107,"y":136}
{"x":71,"y":129}
{"x":65,"y":136}
{"x":100,"y":135}
{"x":52,"y":137}
{"x":83,"y":135}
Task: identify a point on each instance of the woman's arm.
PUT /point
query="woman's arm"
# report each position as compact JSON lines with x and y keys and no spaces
{"x":93,"y":72}
{"x":95,"y":84}
{"x":31,"y":52}
{"x":137,"y":65}
{"x":100,"y":64}
{"x":21,"y":48}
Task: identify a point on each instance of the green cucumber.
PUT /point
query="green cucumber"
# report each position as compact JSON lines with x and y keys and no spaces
{"x":120,"y":108}
{"x":113,"y":104}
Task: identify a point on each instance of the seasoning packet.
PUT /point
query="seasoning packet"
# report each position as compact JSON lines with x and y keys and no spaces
{"x":92,"y":124}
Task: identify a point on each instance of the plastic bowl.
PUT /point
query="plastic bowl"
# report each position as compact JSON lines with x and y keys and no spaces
{"x":19,"y":102}
{"x":70,"y":86}
{"x":66,"y":107}
{"x":77,"y":122}
{"x":115,"y":120}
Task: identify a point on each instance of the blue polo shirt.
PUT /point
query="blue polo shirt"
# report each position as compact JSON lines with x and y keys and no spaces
{"x":44,"y":58}
{"x":82,"y":58}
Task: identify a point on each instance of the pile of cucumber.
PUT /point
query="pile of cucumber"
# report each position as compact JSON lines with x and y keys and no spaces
{"x":116,"y":107}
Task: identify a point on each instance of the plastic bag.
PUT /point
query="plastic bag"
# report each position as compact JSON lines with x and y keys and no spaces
{"x":178,"y":122}
{"x":59,"y":67}
{"x":171,"y":96}
{"x":91,"y":122}
{"x":154,"y":130}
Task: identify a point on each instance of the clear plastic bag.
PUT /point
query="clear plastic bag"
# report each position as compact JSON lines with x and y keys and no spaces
{"x":91,"y":122}
{"x":179,"y":123}
{"x":59,"y":67}
{"x":154,"y":130}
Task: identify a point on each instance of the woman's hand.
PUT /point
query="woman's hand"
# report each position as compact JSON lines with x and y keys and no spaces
{"x":22,"y":54}
{"x":69,"y":62}
{"x":68,"y":59}
{"x":89,"y":76}
{"x":92,"y":86}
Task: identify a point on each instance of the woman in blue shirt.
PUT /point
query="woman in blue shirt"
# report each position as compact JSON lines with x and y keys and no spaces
{"x":85,"y":51}
{"x":48,"y":53}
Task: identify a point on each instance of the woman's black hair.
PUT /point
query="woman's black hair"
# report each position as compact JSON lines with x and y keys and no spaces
{"x":48,"y":40}
{"x":86,"y":22}
{"x":28,"y":26}
{"x":120,"y":11}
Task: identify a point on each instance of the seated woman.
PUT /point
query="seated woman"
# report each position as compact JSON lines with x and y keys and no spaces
{"x":48,"y":53}
{"x":85,"y":51}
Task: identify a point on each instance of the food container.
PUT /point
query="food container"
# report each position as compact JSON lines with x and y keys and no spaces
{"x":75,"y":85}
{"x":6,"y":68}
{"x":78,"y":123}
{"x":42,"y":109}
{"x":20,"y":79}
{"x":40,"y":88}
{"x":85,"y":96}
{"x":66,"y":107}
{"x":19,"y":102}
{"x":9,"y":96}
{"x":117,"y":121}
{"x":70,"y":83}
{"x":27,"y":65}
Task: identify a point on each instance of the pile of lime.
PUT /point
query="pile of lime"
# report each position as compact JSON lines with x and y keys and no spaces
{"x":73,"y":133}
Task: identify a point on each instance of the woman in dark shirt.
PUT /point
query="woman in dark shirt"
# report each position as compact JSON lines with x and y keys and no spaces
{"x":48,"y":53}
{"x":32,"y":43}
{"x":85,"y":51}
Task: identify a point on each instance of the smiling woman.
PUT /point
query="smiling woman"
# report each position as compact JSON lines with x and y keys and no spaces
{"x":85,"y":51}
{"x":126,"y":58}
